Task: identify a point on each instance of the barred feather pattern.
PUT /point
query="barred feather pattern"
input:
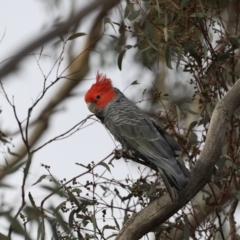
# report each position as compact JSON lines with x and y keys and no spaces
{"x":137,"y":132}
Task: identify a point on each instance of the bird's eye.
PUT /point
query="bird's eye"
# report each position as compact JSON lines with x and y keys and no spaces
{"x":98,"y":96}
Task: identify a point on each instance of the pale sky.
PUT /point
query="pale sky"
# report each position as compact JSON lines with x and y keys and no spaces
{"x":21,"y":22}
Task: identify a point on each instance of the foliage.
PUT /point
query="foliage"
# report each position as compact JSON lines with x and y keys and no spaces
{"x":197,"y":38}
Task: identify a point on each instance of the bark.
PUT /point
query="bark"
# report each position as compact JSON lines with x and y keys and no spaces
{"x":161,"y":209}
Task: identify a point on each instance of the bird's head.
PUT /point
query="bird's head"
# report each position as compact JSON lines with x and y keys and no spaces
{"x":100,"y":93}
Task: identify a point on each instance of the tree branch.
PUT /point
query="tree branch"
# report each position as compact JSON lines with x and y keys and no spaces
{"x":80,"y":68}
{"x":63,"y":28}
{"x":232,"y":223}
{"x":207,"y":208}
{"x":161,"y":209}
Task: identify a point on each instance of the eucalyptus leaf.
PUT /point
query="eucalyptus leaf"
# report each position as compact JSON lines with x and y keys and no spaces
{"x":120,"y":58}
{"x":76,"y":35}
{"x":105,"y":165}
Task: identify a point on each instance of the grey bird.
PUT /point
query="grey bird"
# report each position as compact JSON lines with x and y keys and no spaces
{"x":138,"y":133}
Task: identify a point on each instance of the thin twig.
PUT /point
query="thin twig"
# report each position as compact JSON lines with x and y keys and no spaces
{"x":232,"y":223}
{"x":63,"y":28}
{"x":217,"y":212}
{"x":62,"y":136}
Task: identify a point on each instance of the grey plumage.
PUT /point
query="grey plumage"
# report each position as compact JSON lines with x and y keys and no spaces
{"x":137,"y":132}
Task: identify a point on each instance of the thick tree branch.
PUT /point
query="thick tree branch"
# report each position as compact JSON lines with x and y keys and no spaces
{"x":161,"y":209}
{"x":80,"y":67}
{"x":63,"y":28}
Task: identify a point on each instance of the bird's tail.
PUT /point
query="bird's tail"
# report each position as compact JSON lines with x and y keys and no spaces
{"x":170,"y":188}
{"x":172,"y":184}
{"x":185,"y":171}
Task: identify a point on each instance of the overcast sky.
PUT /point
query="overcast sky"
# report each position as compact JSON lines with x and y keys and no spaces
{"x":22,"y":21}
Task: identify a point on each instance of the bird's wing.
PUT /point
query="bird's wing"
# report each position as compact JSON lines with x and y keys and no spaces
{"x":133,"y":128}
{"x":174,"y":145}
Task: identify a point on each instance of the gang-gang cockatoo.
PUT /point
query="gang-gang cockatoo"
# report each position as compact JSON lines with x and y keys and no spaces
{"x":137,"y":133}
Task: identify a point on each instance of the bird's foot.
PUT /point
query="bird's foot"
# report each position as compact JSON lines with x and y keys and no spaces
{"x":118,"y":153}
{"x":124,"y":153}
{"x":130,"y":154}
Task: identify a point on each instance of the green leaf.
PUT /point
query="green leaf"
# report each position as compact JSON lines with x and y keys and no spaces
{"x":126,"y":217}
{"x":81,"y":165}
{"x":144,"y":91}
{"x":134,"y":82}
{"x":32,"y":213}
{"x":16,"y":226}
{"x":14,"y":168}
{"x":111,"y":204}
{"x":81,"y":216}
{"x":127,"y":197}
{"x":60,"y":220}
{"x":128,"y":46}
{"x":128,"y":9}
{"x":59,"y":206}
{"x":178,"y":113}
{"x":224,"y":149}
{"x":4,"y":185}
{"x":86,"y":201}
{"x":168,"y":57}
{"x":229,"y":162}
{"x":61,"y":38}
{"x":152,"y":44}
{"x":204,"y":121}
{"x":237,"y":237}
{"x":117,"y":225}
{"x":72,"y":197}
{"x":210,"y":108}
{"x":71,"y":218}
{"x":40,"y":179}
{"x":220,"y":164}
{"x":105,"y":165}
{"x":192,"y":125}
{"x":76,"y":35}
{"x":199,"y":208}
{"x":236,"y":194}
{"x":120,"y":58}
{"x":77,"y":190}
{"x":54,"y":189}
{"x":193,"y":139}
{"x":184,"y":3}
{"x":40,"y":231}
{"x":234,"y":41}
{"x":32,"y":200}
{"x":108,"y":20}
{"x":104,"y":188}
{"x":158,"y":8}
{"x":190,"y":111}
{"x":113,"y":37}
{"x":133,"y":15}
{"x":224,"y":56}
{"x":94,"y":222}
{"x":109,"y":227}
{"x":145,"y":58}
{"x":118,"y":24}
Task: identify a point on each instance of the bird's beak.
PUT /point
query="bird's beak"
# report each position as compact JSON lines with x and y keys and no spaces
{"x":91,"y":106}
